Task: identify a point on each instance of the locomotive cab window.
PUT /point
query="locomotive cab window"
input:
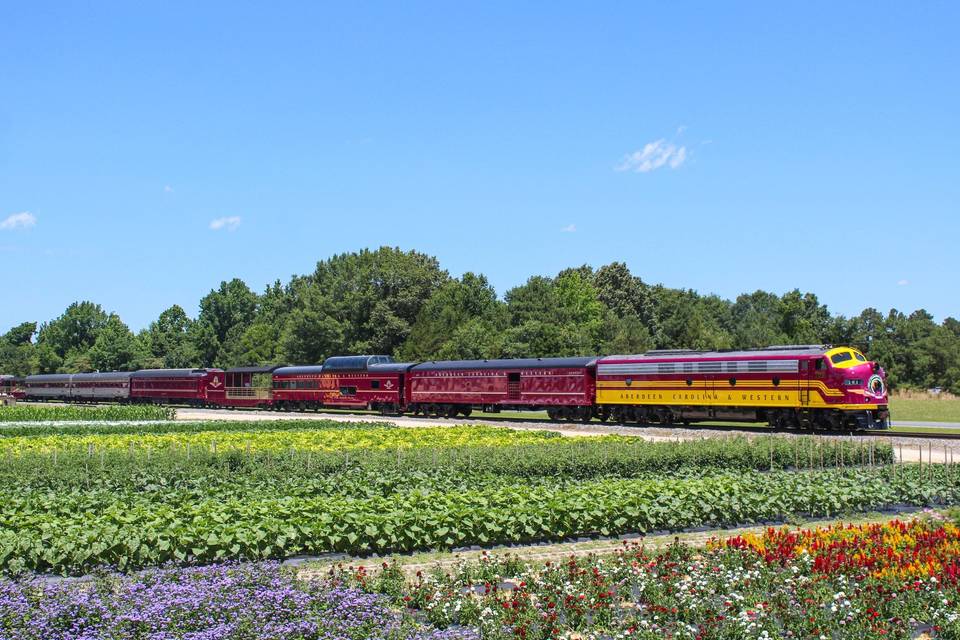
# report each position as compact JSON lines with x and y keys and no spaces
{"x":843,"y":356}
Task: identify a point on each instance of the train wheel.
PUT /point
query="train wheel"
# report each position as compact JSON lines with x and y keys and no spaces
{"x":586,"y":414}
{"x":451,"y":411}
{"x":466,"y":411}
{"x":552,"y":414}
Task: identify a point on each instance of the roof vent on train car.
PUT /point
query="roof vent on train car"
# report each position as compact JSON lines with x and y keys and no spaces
{"x":353,"y":363}
{"x":794,"y":347}
{"x":663,"y":352}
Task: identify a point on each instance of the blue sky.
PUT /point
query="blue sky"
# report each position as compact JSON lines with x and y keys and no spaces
{"x":721,"y":148}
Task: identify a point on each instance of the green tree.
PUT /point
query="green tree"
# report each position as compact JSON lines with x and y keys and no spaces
{"x":756,"y":322}
{"x":456,"y":303}
{"x":689,"y":321}
{"x":626,"y":335}
{"x":72,"y":334}
{"x":116,"y":348}
{"x":228,"y":311}
{"x":803,"y":320}
{"x":625,"y":295}
{"x":168,"y":339}
{"x":17,"y":353}
{"x":313,"y":331}
{"x":370,"y":298}
{"x":554,"y":317}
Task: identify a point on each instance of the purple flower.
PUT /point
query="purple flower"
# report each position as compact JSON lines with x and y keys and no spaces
{"x":247,"y":602}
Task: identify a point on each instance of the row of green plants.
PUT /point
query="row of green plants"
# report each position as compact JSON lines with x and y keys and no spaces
{"x":73,"y":532}
{"x":307,"y":438}
{"x":503,"y":453}
{"x":178,"y":426}
{"x":25,"y":413}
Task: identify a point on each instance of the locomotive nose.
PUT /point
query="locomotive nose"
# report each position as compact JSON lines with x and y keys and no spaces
{"x":876,"y":384}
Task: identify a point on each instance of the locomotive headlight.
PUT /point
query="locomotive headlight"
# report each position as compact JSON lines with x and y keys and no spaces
{"x":875,"y":385}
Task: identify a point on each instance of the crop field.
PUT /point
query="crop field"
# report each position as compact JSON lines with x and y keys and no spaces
{"x":92,"y":413}
{"x":142,"y":495}
{"x":186,"y":501}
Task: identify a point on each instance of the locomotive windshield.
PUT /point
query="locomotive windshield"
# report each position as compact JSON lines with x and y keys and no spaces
{"x":843,"y":356}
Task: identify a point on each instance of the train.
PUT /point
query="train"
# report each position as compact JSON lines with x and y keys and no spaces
{"x":787,"y":386}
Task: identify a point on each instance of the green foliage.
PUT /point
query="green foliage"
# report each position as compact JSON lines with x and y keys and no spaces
{"x":66,"y":340}
{"x":167,"y":340}
{"x":227,"y":311}
{"x":43,"y":413}
{"x":362,"y":302}
{"x":17,"y":355}
{"x":450,"y":322}
{"x":403,"y":304}
{"x":116,"y":348}
{"x":74,"y":531}
{"x":690,"y":321}
{"x":106,"y":494}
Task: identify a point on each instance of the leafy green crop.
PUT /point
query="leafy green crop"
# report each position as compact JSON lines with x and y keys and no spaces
{"x":285,"y":457}
{"x":42,"y":413}
{"x":109,"y":494}
{"x":72,"y":532}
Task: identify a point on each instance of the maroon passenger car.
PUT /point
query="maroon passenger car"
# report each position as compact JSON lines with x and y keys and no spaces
{"x":12,"y":386}
{"x":344,"y":382}
{"x":563,"y":386}
{"x":199,"y":387}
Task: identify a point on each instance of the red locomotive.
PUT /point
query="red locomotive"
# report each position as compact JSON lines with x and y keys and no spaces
{"x":790,"y":386}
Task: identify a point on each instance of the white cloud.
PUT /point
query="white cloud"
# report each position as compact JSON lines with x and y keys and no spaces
{"x":904,"y":282}
{"x":570,"y":228}
{"x":167,"y":188}
{"x":654,"y":155}
{"x":230,"y":223}
{"x":22,"y":220}
{"x":681,"y":129}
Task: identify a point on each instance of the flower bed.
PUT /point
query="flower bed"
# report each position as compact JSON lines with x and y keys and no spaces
{"x":896,"y":582}
{"x":255,"y":602}
{"x":896,"y":549}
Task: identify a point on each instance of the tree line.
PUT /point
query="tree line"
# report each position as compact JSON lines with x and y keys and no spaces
{"x":402,"y":303}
